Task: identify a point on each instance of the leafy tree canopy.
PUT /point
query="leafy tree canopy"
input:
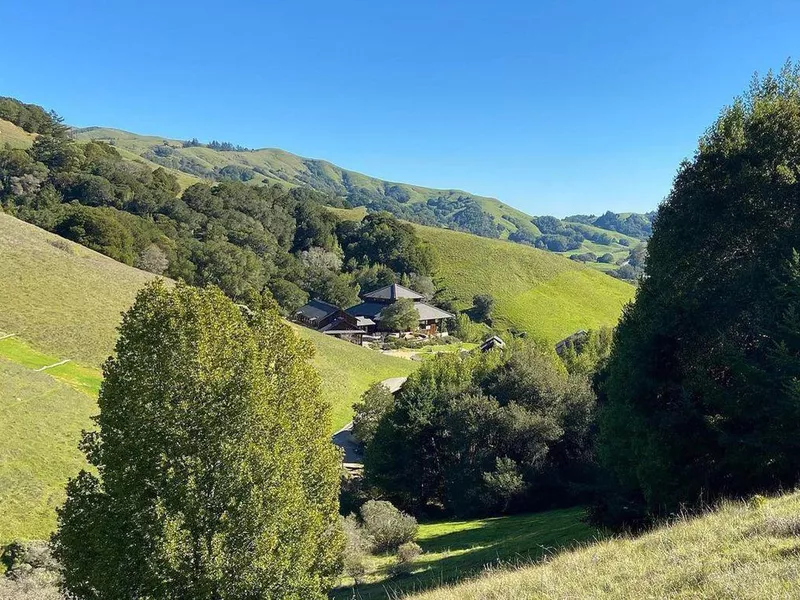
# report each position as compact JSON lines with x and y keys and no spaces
{"x":214,"y":477}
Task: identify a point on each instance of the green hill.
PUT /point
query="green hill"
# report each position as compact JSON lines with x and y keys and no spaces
{"x":63,"y":301}
{"x":271,"y":165}
{"x":450,"y":209}
{"x":739,"y":551}
{"x":545,"y":295}
{"x":587,"y":236}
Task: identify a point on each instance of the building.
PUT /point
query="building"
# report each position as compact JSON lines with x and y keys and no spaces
{"x":332,"y":320}
{"x":430,"y":317}
{"x":573,"y":341}
{"x":492,"y":343}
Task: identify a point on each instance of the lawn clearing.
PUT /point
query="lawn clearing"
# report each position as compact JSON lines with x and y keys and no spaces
{"x":454,"y":550}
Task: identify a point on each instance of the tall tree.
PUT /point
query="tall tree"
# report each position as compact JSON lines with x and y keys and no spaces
{"x":701,"y":388}
{"x":215,"y":477}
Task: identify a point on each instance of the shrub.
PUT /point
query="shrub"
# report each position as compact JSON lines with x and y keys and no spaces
{"x":387,"y":527}
{"x":606,"y":258}
{"x":356,"y":548}
{"x":407,"y":553}
{"x":483,"y":305}
{"x":32,"y":573}
{"x":375,"y":403}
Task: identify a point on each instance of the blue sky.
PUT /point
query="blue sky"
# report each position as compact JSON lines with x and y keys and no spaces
{"x":555,"y":107}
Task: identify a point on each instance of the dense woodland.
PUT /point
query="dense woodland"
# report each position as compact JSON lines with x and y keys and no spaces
{"x":486,"y":434}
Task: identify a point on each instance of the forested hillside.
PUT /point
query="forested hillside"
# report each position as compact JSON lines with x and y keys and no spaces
{"x":63,"y":301}
{"x":604,"y":242}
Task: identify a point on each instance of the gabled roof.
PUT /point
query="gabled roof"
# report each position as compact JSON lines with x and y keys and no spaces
{"x":491,"y":343}
{"x":317,"y":310}
{"x":428,"y":312}
{"x":372,"y":310}
{"x":392,"y":292}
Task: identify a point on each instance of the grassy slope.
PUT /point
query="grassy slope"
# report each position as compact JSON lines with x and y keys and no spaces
{"x":14,"y":136}
{"x":548,"y":296}
{"x":41,"y":419}
{"x":736,"y":552}
{"x":19,"y":138}
{"x":455,"y":549}
{"x":66,"y":301}
{"x":291,"y":170}
{"x":347,"y":370}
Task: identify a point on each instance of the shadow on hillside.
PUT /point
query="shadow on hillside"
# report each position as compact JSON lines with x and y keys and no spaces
{"x":455,"y":555}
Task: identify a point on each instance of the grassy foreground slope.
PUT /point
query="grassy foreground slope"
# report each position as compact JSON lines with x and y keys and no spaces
{"x":453,"y":550}
{"x":67,"y":300}
{"x":741,"y":551}
{"x":545,"y":295}
{"x":41,"y":419}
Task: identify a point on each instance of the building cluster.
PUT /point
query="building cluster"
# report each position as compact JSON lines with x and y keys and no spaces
{"x":364,"y":319}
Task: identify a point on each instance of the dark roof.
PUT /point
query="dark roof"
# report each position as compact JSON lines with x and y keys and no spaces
{"x":392,"y":292}
{"x":317,"y":309}
{"x":570,"y":340}
{"x":366,"y":309}
{"x":372,"y":310}
{"x":428,"y":312}
{"x":491,"y":343}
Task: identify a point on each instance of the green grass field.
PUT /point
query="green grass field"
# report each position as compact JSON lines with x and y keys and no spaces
{"x":454,"y":550}
{"x":547,"y":296}
{"x":63,"y":301}
{"x":347,"y":370}
{"x":41,"y":419}
{"x":738,"y":552}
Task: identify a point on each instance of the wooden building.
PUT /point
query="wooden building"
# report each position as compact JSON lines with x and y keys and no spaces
{"x":430,"y":317}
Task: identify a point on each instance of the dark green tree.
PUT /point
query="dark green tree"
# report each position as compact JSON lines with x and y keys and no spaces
{"x":482,"y":307}
{"x":215,"y":477}
{"x":700,"y":390}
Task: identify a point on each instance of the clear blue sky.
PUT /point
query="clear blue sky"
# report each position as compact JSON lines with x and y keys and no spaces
{"x":555,"y":107}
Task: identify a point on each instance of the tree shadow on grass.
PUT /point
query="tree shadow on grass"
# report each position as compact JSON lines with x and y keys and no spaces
{"x":465,"y":549}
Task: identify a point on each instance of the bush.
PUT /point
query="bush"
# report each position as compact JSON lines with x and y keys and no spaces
{"x":387,"y":527}
{"x":407,"y":553}
{"x":367,"y":414}
{"x":32,"y":572}
{"x":483,"y":305}
{"x":356,"y":548}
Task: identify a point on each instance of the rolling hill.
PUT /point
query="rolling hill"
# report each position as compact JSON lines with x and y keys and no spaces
{"x":64,"y":301}
{"x":271,"y":165}
{"x":545,"y":295}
